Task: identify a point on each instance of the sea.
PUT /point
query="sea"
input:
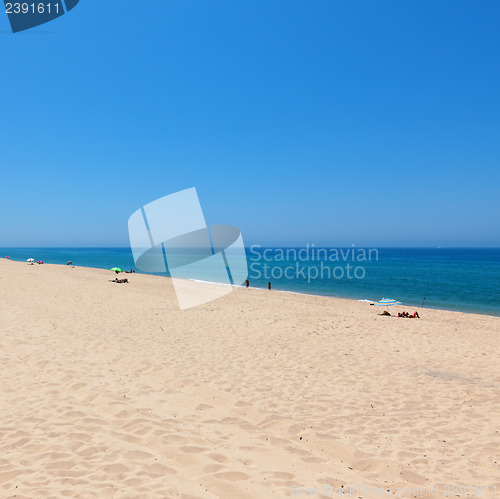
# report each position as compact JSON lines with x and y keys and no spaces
{"x":459,"y":279}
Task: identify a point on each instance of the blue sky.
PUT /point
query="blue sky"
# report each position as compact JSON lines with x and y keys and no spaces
{"x":330,"y":122}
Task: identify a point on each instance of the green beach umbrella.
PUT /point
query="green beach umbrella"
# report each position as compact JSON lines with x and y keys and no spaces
{"x":116,"y":269}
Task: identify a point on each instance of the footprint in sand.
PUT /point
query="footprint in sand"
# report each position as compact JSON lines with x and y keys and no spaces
{"x":368,"y":465}
{"x":412,"y":477}
{"x":295,"y":450}
{"x":136,"y":455}
{"x":203,"y":407}
{"x":60,"y":465}
{"x":242,"y":403}
{"x":159,"y":470}
{"x":220,"y":458}
{"x":232,"y":476}
{"x":294,"y":429}
{"x":77,"y":386}
{"x":132,"y":482}
{"x":192,"y":449}
{"x":313,"y":460}
{"x":174,"y":439}
{"x":6,"y":476}
{"x":115,"y":468}
{"x":213,"y":468}
{"x":281,"y":475}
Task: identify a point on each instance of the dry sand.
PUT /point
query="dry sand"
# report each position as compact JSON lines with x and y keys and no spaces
{"x":109,"y":390}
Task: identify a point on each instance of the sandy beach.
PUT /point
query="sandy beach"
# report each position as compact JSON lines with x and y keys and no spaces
{"x":109,"y":390}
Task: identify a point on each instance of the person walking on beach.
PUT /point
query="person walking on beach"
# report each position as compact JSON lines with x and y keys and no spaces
{"x":269,"y":285}
{"x":247,"y":283}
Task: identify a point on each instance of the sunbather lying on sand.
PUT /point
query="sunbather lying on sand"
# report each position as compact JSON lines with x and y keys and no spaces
{"x":406,"y":314}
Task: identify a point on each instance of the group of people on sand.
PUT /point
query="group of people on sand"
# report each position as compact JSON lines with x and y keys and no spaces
{"x":409,"y":316}
{"x":125,"y":280}
{"x":403,"y":314}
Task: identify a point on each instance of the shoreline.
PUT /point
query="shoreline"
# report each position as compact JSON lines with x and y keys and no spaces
{"x":335,"y":297}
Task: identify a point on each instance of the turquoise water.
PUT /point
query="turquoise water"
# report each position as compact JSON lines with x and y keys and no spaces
{"x":463,"y":279}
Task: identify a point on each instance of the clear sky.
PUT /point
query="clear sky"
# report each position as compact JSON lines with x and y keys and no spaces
{"x":324,"y":121}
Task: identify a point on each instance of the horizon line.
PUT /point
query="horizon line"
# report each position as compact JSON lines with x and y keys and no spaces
{"x":310,"y":245}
